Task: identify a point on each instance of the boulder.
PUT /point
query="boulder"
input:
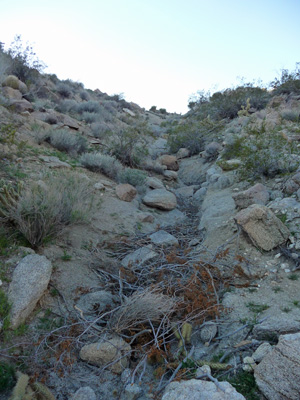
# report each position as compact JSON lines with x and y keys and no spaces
{"x":160,"y":146}
{"x":54,"y":162}
{"x":140,"y":256}
{"x":211,"y":151}
{"x":29,"y":282}
{"x":278,"y":374}
{"x":161,"y":199}
{"x":163,"y":238}
{"x":200,"y":194}
{"x":115,"y":351}
{"x":262,"y":226}
{"x":154,"y":183}
{"x":261,"y":352}
{"x":182,"y":153}
{"x":15,"y":83}
{"x":170,"y":175}
{"x":194,"y":389}
{"x":169,"y":161}
{"x":257,"y":194}
{"x":84,"y":393}
{"x":126,"y":192}
{"x":12,"y":94}
{"x":292,"y":184}
{"x":20,"y":106}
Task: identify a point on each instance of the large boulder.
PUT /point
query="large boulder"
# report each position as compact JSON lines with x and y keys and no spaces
{"x":257,"y":194}
{"x":126,"y":192}
{"x":12,"y":94}
{"x":113,"y":351}
{"x":262,"y":226}
{"x":278,"y":374}
{"x":160,"y":198}
{"x":20,"y":106}
{"x":29,"y":282}
{"x":13,"y":82}
{"x":200,"y":390}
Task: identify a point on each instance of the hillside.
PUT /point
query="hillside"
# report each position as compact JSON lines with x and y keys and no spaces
{"x":147,"y":254}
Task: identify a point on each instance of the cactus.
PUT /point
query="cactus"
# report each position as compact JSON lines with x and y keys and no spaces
{"x":20,"y":388}
{"x":25,"y":391}
{"x":9,"y":196}
{"x":43,"y":391}
{"x":184,"y":336}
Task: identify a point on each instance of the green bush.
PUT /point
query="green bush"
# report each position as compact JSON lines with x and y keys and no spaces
{"x":90,"y":106}
{"x":134,"y":177}
{"x":227,"y":103}
{"x":64,"y":140}
{"x":103,"y":163}
{"x":289,"y":82}
{"x":42,"y":211}
{"x":7,"y":377}
{"x":192,"y":135}
{"x":129,"y":145}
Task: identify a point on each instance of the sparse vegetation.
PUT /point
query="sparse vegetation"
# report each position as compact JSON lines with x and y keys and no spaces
{"x":103,"y":163}
{"x":67,"y":141}
{"x":134,"y":177}
{"x":41,"y":211}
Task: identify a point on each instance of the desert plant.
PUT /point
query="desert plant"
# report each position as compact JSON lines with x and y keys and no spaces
{"x":24,"y":62}
{"x":100,"y":129}
{"x":103,"y":163}
{"x":64,"y":90}
{"x":90,"y":106}
{"x":42,"y":211}
{"x":134,"y":177}
{"x":67,"y":106}
{"x":291,"y":115}
{"x":7,"y":376}
{"x":4,"y":310}
{"x":64,"y":140}
{"x":129,"y":145}
{"x":89,"y":117}
{"x":141,"y":307}
{"x":289,"y":82}
{"x":84,"y":95}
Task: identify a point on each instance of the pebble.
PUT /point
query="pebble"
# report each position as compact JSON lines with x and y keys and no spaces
{"x":278,"y":255}
{"x":287,"y":270}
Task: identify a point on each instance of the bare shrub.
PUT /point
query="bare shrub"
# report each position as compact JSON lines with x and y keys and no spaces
{"x":143,"y":306}
{"x":64,"y":140}
{"x":45,"y":208}
{"x":103,"y":163}
{"x":64,"y":90}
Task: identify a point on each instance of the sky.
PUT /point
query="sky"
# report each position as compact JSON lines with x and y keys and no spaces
{"x":158,"y":52}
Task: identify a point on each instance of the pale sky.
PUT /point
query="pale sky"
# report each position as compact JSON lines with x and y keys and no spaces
{"x":158,"y":52}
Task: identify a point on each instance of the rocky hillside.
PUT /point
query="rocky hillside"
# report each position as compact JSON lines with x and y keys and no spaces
{"x":146,"y":254}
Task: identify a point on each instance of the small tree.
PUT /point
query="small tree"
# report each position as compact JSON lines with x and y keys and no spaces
{"x":24,"y":60}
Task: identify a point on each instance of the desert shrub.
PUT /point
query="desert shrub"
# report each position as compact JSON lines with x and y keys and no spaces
{"x":89,"y":106}
{"x":4,"y":310}
{"x":24,"y":62}
{"x":134,"y":177}
{"x":64,"y":90}
{"x":103,"y":163}
{"x":263,"y":154}
{"x":100,"y":130}
{"x":110,"y":106}
{"x":84,"y":95}
{"x":64,"y":140}
{"x":89,"y":117}
{"x":291,"y":115}
{"x":289,"y":82}
{"x":129,"y":145}
{"x":153,"y":109}
{"x":141,"y":307}
{"x":192,"y":135}
{"x":227,"y":103}
{"x":67,"y":106}
{"x":43,"y":210}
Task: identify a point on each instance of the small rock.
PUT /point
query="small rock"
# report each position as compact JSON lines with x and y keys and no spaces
{"x":170,"y":175}
{"x":163,"y":238}
{"x":249,"y":364}
{"x":261,"y":352}
{"x":182,"y":153}
{"x":84,"y":393}
{"x":145,"y":217}
{"x":105,"y":352}
{"x":169,"y":161}
{"x":125,"y":376}
{"x":133,"y":391}
{"x":140,"y":256}
{"x":126,"y":192}
{"x":99,"y":186}
{"x":257,"y":194}
{"x":205,"y":369}
{"x":200,"y":194}
{"x":154,"y":183}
